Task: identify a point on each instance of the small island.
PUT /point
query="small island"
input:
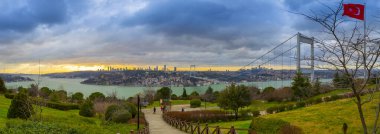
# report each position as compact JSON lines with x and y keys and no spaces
{"x":14,"y":78}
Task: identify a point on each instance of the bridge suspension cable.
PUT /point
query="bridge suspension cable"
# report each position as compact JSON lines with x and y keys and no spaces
{"x":269,"y":51}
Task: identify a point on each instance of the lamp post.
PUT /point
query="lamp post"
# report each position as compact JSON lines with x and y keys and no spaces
{"x":138,"y":112}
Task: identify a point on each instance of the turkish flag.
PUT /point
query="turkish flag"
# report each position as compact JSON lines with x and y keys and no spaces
{"x":354,"y":11}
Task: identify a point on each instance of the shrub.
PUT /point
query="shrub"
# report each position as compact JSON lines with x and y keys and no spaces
{"x":195,"y":103}
{"x":194,"y":95}
{"x":121,"y":116}
{"x":335,"y":97}
{"x":132,"y":108}
{"x":308,"y":102}
{"x":289,"y":107}
{"x":174,"y":97}
{"x":281,"y":108}
{"x":244,"y":112}
{"x":97,"y":96}
{"x":268,"y":89}
{"x":281,"y":94}
{"x":267,"y":126}
{"x":118,"y":114}
{"x":317,"y":100}
{"x":57,"y":96}
{"x":20,"y":107}
{"x":9,"y":95}
{"x":62,"y":106}
{"x":271,"y":110}
{"x":87,"y":109}
{"x":55,"y":105}
{"x":201,"y":116}
{"x":77,"y":97}
{"x":22,"y":89}
{"x":45,"y":92}
{"x":110,"y":110}
{"x":255,"y":113}
{"x":327,"y":99}
{"x":32,"y":127}
{"x":300,"y":104}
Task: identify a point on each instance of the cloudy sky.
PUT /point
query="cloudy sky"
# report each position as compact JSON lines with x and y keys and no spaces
{"x":71,"y":35}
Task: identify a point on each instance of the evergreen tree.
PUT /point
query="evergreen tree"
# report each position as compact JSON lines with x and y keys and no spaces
{"x":208,"y":96}
{"x":317,"y":86}
{"x":87,"y":109}
{"x":209,"y":90}
{"x":3,"y":89}
{"x":194,"y":93}
{"x":301,"y":86}
{"x":20,"y":107}
{"x":336,"y":80}
{"x":184,"y":94}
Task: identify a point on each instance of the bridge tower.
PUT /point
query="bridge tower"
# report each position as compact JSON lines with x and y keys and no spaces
{"x":307,"y":40}
{"x":192,"y":70}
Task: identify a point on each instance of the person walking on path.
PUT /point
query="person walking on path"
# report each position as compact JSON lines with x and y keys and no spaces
{"x":154,"y":110}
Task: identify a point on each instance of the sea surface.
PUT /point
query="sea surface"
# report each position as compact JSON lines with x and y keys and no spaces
{"x":74,"y":85}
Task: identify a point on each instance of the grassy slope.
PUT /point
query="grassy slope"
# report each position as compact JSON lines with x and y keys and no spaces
{"x":329,"y":117}
{"x":69,"y":118}
{"x":4,"y":105}
{"x":322,"y":118}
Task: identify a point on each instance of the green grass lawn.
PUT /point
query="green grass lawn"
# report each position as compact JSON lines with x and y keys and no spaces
{"x":323,"y":118}
{"x":70,"y":119}
{"x":329,"y":117}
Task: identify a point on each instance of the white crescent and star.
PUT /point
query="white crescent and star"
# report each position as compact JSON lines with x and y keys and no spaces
{"x":358,"y":11}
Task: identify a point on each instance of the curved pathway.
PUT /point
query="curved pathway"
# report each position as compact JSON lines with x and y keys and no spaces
{"x":157,"y":125}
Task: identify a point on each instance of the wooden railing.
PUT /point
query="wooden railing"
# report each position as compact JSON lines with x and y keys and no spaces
{"x":196,"y":128}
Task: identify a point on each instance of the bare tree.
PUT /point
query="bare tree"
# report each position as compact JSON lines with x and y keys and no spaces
{"x":348,"y":50}
{"x":149,"y":95}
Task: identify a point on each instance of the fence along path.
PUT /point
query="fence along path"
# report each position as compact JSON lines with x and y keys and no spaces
{"x":196,"y":128}
{"x":157,"y":125}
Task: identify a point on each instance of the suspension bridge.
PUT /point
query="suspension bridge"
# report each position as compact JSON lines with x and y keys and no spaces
{"x":280,"y":63}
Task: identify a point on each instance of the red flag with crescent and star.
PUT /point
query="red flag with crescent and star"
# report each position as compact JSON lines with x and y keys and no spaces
{"x":354,"y":11}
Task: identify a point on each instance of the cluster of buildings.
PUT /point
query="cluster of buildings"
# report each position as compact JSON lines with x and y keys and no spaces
{"x":156,"y":68}
{"x":146,"y":78}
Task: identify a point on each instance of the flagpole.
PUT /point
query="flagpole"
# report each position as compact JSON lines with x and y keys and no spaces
{"x":365,"y":45}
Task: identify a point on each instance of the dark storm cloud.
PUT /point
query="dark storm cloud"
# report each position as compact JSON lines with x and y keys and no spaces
{"x":210,"y":32}
{"x":25,"y":17}
{"x":226,"y":20}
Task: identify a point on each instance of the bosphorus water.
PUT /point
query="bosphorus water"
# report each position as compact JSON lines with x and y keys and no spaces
{"x":74,"y":85}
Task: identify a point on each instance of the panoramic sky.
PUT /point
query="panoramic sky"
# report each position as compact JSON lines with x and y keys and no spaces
{"x":72,"y":35}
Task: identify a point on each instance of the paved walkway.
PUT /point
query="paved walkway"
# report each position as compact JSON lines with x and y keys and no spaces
{"x":157,"y":125}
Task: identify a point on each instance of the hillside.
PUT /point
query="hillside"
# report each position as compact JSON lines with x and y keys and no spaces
{"x":323,"y":118}
{"x":56,"y":119}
